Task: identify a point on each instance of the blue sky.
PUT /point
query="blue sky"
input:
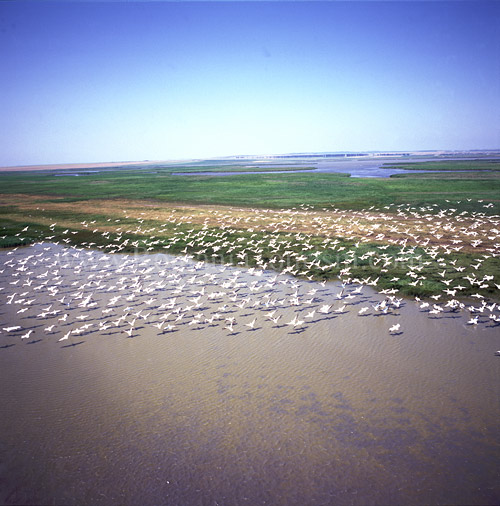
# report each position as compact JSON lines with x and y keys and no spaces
{"x":96,"y":81}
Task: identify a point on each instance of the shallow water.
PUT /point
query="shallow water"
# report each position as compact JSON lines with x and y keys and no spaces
{"x":354,"y":167}
{"x":335,"y":411}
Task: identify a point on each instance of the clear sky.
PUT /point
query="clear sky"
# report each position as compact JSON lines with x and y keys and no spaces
{"x":95,"y":81}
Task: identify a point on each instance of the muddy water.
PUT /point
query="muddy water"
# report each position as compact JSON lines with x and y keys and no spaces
{"x":337,"y":410}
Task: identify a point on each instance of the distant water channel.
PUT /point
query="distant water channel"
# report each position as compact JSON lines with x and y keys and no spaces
{"x":337,"y":412}
{"x":356,"y":168}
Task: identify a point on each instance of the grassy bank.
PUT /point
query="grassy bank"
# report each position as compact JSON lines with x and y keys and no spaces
{"x":233,"y":168}
{"x":429,"y":234}
{"x":449,"y":165}
{"x":264,"y":190}
{"x":312,"y":257}
{"x":247,"y":239}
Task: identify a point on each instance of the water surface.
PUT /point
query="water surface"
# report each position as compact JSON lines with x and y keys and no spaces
{"x":336,"y":411}
{"x":353,"y":167}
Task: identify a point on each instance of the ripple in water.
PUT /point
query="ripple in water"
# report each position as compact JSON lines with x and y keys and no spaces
{"x":333,"y":411}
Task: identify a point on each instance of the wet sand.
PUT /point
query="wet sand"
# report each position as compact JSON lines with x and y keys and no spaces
{"x":337,"y":410}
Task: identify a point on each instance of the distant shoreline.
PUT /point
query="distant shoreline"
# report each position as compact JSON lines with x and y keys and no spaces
{"x":410,"y":155}
{"x":94,"y":165}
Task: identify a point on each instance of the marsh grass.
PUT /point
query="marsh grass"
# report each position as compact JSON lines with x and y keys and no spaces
{"x":90,"y":221}
{"x":449,"y":165}
{"x":264,"y":190}
{"x":233,"y":168}
{"x":386,"y":266}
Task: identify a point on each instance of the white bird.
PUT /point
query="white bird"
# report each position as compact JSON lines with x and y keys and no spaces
{"x":324,"y":309}
{"x":395,"y":328}
{"x":11,"y":329}
{"x":27,"y":335}
{"x":196,"y":320}
{"x":66,"y":336}
{"x":251,"y":324}
{"x":295,"y":322}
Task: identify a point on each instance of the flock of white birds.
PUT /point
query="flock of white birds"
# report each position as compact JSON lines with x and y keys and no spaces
{"x":66,"y":292}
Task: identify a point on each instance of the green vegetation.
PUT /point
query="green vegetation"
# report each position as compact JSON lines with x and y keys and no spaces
{"x":388,"y":267}
{"x":233,"y":168}
{"x":34,"y":212}
{"x":264,"y":190}
{"x":449,"y":165}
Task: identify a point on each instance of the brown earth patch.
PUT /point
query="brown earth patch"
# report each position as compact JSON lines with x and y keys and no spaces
{"x":444,"y":231}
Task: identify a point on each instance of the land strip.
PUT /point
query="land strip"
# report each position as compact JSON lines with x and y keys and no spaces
{"x":400,"y":249}
{"x":492,"y":164}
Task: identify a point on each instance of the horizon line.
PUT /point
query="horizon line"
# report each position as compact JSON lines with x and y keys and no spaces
{"x":301,"y":154}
